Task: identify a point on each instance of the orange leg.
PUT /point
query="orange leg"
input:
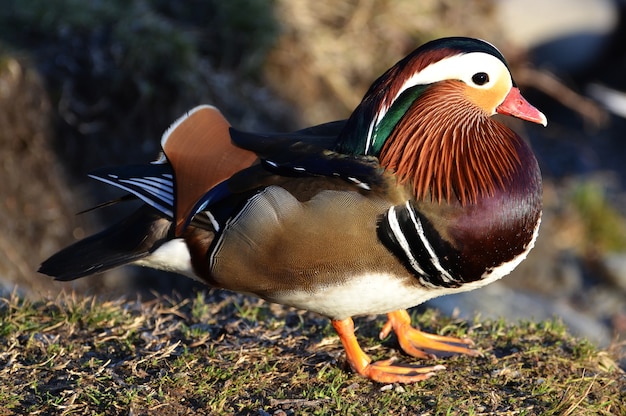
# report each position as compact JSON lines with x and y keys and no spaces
{"x":413,"y":341}
{"x":380,"y":371}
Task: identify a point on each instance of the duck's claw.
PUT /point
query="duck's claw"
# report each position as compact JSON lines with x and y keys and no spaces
{"x":415,"y":342}
{"x":381,"y":371}
{"x":386,"y":372}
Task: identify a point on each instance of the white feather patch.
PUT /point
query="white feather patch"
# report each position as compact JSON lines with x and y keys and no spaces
{"x":173,"y":256}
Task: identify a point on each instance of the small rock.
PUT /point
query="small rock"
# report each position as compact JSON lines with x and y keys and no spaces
{"x":399,"y":389}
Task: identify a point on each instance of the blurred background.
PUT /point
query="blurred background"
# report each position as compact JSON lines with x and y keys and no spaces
{"x":85,"y":84}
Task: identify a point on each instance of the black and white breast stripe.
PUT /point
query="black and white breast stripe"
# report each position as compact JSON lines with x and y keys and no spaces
{"x":410,"y":237}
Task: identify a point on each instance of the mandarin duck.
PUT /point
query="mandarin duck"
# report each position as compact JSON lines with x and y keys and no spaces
{"x":418,"y":194}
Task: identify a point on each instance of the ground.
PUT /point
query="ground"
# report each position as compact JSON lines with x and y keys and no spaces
{"x":225,"y":354}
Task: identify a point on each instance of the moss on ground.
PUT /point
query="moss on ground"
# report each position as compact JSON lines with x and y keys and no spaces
{"x":226,"y":354}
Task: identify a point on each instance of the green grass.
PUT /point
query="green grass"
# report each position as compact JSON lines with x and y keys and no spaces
{"x":227,"y":354}
{"x":602,"y":223}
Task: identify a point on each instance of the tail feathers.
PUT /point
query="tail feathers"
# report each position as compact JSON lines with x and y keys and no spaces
{"x":125,"y":242}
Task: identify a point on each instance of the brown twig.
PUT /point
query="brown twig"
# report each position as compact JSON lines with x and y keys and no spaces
{"x":552,"y":86}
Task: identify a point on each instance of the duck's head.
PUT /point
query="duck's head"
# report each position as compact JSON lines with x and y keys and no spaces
{"x":478,"y":65}
{"x":440,"y":96}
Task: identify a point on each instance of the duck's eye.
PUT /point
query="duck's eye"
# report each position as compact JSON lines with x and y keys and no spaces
{"x":480,"y":78}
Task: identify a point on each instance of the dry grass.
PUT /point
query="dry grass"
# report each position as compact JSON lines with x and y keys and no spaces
{"x":226,"y":354}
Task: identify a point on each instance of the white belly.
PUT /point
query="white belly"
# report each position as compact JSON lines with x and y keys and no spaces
{"x":359,"y":295}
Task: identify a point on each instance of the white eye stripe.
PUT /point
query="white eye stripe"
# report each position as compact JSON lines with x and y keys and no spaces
{"x":461,"y":67}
